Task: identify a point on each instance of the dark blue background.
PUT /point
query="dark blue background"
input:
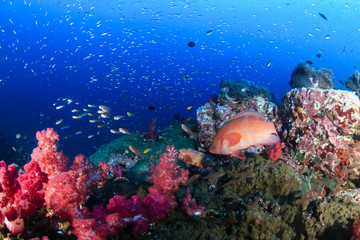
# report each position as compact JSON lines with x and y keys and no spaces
{"x":139,"y":57}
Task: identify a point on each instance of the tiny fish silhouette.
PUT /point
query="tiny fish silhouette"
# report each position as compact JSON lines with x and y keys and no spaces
{"x":323,"y":16}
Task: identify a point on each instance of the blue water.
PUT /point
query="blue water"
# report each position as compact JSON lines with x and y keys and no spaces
{"x":130,"y":55}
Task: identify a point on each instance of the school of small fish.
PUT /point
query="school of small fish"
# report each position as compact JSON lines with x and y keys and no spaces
{"x":100,"y":116}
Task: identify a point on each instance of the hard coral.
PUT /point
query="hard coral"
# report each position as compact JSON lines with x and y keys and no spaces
{"x":319,"y":122}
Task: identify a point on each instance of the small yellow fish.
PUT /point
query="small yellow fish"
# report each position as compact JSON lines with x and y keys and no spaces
{"x":187,"y":120}
{"x":147,"y":150}
{"x":189,"y":107}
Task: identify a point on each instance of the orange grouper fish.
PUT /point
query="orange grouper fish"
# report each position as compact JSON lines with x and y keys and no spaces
{"x":241,"y":132}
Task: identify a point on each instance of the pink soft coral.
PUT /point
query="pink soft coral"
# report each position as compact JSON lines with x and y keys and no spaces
{"x":20,"y":195}
{"x":167,"y":176}
{"x":51,"y":162}
{"x":190,"y":205}
{"x":68,"y":190}
{"x":276,"y":152}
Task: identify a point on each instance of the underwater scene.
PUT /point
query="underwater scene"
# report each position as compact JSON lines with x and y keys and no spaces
{"x":179,"y":119}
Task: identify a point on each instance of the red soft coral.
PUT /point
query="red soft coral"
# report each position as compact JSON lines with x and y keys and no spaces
{"x":63,"y":197}
{"x":68,"y":190}
{"x":20,"y":195}
{"x":157,"y":205}
{"x":356,"y":230}
{"x":31,"y":195}
{"x":190,"y":206}
{"x":98,"y":224}
{"x":90,"y":175}
{"x":276,"y":152}
{"x":51,"y":162}
{"x":167,"y":175}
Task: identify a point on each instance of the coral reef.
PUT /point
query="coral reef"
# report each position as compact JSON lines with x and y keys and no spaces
{"x":321,"y":126}
{"x":252,"y":201}
{"x":304,"y":187}
{"x":68,"y":189}
{"x":309,"y":77}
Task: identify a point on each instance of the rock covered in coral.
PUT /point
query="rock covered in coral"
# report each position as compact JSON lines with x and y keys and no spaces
{"x":241,"y":89}
{"x":128,"y":162}
{"x":353,"y":82}
{"x":309,"y":77}
{"x":205,"y":116}
{"x":323,"y":124}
